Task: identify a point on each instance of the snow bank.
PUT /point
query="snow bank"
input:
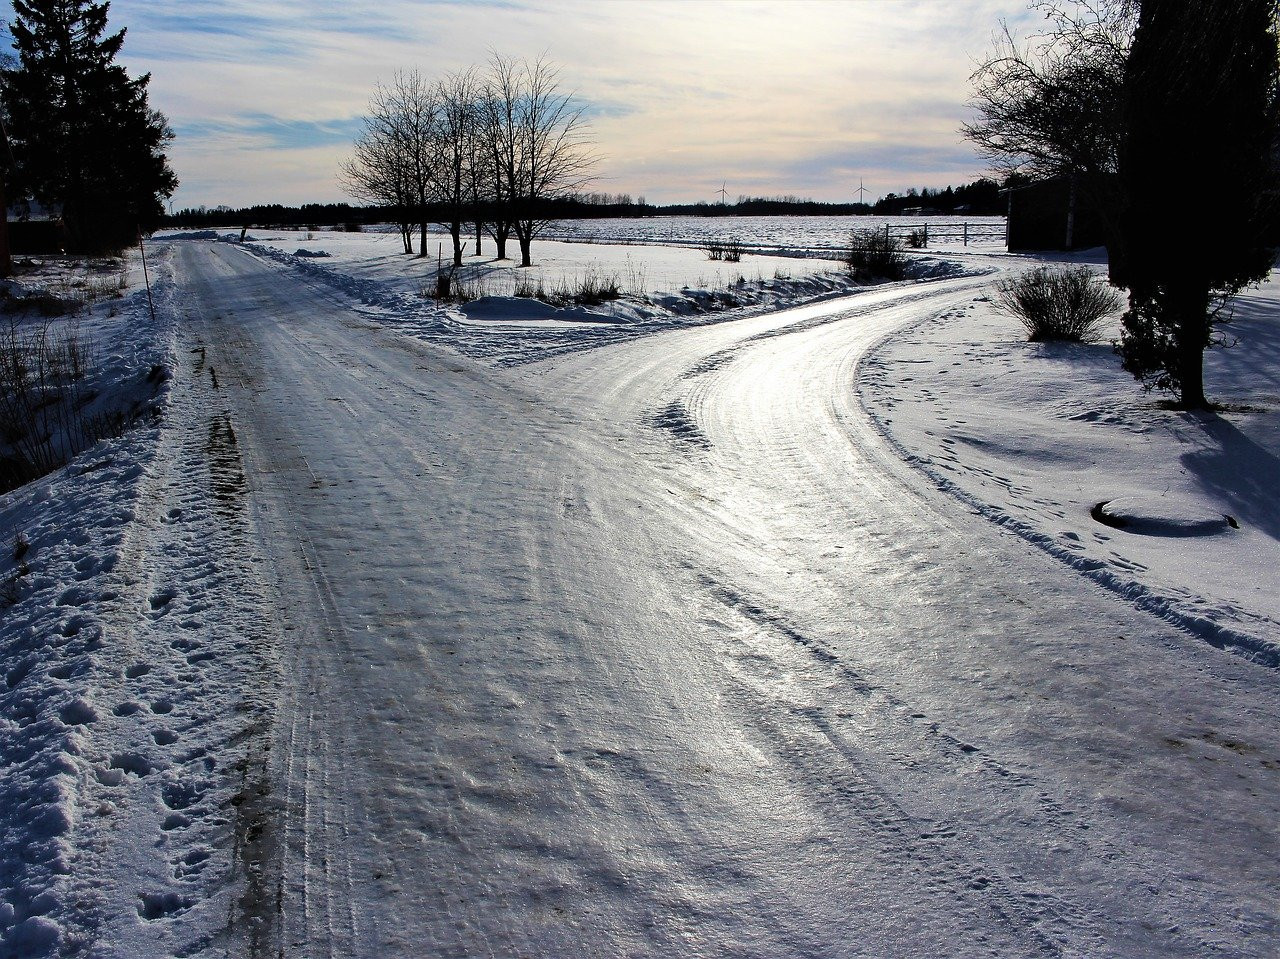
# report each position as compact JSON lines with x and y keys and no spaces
{"x":137,"y":667}
{"x":1164,"y":516}
{"x":1058,"y":444}
{"x":73,"y":526}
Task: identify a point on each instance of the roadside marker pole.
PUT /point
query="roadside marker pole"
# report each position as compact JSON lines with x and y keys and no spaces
{"x":146,"y":276}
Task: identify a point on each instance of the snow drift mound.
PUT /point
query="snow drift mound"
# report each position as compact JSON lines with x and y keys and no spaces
{"x":524,"y":309}
{"x":507,"y":308}
{"x":1163,"y":516}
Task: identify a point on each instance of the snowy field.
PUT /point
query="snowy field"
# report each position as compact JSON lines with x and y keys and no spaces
{"x":654,"y":269}
{"x":660,"y":288}
{"x":728,"y":618}
{"x":787,"y":235}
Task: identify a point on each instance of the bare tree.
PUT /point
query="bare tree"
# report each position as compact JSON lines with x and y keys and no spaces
{"x":498,"y":152}
{"x":453,"y":147}
{"x":498,"y":112}
{"x":378,"y":173}
{"x":1053,"y":108}
{"x":539,"y":143}
{"x":478,"y":177}
{"x":395,"y":154}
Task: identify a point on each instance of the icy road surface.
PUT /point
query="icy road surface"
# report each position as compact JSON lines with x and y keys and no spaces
{"x":658,"y":650}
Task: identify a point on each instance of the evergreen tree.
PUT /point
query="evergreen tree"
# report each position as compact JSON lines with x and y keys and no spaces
{"x":1199,"y":102}
{"x":83,"y":135}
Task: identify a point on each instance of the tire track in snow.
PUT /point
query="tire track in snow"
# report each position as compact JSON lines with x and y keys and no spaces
{"x":714,"y":361}
{"x":1064,"y":923}
{"x":534,"y":718}
{"x":333,"y":854}
{"x":855,"y":783}
{"x":303,"y":897}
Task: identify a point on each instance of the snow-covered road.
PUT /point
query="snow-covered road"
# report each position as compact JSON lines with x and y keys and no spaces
{"x":658,"y":649}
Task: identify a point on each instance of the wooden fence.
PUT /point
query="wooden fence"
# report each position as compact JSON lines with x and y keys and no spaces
{"x":920,"y":235}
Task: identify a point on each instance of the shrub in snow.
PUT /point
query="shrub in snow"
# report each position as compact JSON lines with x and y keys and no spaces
{"x":46,"y":415}
{"x":728,"y":250}
{"x":1058,"y":303}
{"x":873,"y":254}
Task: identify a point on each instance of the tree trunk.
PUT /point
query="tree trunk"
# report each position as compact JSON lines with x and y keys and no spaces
{"x":455,"y":231}
{"x":479,"y":229}
{"x":406,"y":237}
{"x":6,"y":261}
{"x":422,"y":241}
{"x":500,"y":232}
{"x":524,"y":234}
{"x":1193,"y":320}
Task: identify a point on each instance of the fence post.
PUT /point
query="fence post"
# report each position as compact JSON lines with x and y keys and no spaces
{"x":146,"y":276}
{"x":966,"y":234}
{"x":886,"y":234}
{"x":926,"y":235}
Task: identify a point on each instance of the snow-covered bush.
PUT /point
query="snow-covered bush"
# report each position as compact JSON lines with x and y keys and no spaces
{"x":1058,"y":303}
{"x":873,"y":254}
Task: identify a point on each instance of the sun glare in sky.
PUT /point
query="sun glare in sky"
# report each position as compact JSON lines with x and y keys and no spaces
{"x":768,"y":98}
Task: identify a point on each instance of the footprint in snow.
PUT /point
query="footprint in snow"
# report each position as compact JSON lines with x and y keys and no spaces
{"x":160,"y":601}
{"x":158,"y":905}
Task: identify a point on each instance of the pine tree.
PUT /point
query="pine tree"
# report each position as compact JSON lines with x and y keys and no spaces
{"x":83,"y":134}
{"x":1199,"y":115}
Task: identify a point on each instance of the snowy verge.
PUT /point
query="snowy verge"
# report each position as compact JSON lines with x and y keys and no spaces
{"x":128,"y":723}
{"x":71,"y":526}
{"x":1056,"y":443}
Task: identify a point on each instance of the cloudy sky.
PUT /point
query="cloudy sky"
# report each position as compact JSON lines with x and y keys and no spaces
{"x":770,"y":97}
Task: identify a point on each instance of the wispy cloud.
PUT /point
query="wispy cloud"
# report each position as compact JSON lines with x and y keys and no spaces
{"x":796,"y":96}
{"x":269,"y":133}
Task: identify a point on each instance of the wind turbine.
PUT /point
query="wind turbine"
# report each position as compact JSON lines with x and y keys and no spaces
{"x":723,"y":192}
{"x":861,"y":191}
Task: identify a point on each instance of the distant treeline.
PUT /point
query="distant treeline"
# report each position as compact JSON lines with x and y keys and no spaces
{"x":981,"y":198}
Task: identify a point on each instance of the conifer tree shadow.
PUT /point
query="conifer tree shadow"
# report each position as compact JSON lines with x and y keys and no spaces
{"x":1239,"y":472}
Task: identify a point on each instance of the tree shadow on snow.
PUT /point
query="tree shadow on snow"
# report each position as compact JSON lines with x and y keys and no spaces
{"x":1252,"y":365}
{"x":1239,"y":472}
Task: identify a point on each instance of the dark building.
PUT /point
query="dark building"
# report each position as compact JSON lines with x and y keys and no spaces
{"x":35,"y":229}
{"x":1050,"y":215}
{"x":37,"y":237}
